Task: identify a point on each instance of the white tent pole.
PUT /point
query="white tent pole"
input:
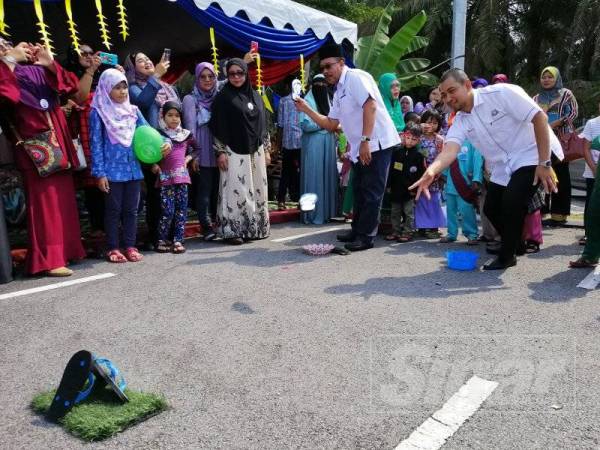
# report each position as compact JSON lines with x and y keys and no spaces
{"x":459,"y":31}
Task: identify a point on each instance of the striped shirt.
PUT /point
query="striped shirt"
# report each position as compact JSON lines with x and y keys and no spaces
{"x":288,"y":121}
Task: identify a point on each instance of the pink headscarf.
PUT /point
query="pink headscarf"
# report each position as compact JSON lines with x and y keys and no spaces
{"x":119,"y":118}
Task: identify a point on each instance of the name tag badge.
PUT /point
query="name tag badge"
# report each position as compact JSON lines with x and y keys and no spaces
{"x":398,"y":166}
{"x":44,"y":103}
{"x":250,"y":106}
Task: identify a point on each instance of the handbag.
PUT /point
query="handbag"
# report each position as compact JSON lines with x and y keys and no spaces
{"x":45,"y":152}
{"x":82,"y":163}
{"x":573,"y":146}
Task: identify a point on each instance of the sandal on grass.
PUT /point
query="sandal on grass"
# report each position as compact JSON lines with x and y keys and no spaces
{"x":178,"y":248}
{"x":582,"y":263}
{"x":115,"y":256}
{"x":71,"y":388}
{"x":133,"y":255}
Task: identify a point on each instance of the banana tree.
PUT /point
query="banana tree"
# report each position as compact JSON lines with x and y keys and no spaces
{"x":378,"y":53}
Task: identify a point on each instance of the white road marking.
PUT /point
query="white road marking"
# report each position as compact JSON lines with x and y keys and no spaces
{"x":50,"y":287}
{"x":437,"y":429}
{"x":592,"y":280}
{"x":298,"y":236}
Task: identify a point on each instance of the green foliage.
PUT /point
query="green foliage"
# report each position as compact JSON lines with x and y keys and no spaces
{"x":352,"y":10}
{"x":101,"y":416}
{"x":388,"y":58}
{"x":379,"y":54}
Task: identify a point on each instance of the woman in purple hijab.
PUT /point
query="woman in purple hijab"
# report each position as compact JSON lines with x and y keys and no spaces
{"x":29,"y":101}
{"x":196,"y":115}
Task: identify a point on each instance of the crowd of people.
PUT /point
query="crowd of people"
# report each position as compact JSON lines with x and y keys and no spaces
{"x":477,"y":148}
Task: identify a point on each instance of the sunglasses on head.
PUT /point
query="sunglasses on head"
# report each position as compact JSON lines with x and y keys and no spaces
{"x":237,"y":73}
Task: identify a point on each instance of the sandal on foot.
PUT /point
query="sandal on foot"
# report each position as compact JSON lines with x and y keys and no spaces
{"x":281,"y":206}
{"x":473,"y":242}
{"x":178,"y":248}
{"x":70,"y":390}
{"x":404,"y":238}
{"x":115,"y":256}
{"x":163,"y":247}
{"x":582,"y":263}
{"x":60,"y":272}
{"x":392,"y":237}
{"x":531,"y":247}
{"x":133,"y":255}
{"x":583,"y":240}
{"x":447,"y":240}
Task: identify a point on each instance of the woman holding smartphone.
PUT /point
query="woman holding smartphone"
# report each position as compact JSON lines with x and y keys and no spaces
{"x":148,"y":92}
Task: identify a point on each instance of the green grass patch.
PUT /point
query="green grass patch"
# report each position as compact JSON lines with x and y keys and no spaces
{"x":101,"y":415}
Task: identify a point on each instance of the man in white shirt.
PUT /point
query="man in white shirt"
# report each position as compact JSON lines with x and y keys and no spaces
{"x":358,"y":107}
{"x":513,"y":135}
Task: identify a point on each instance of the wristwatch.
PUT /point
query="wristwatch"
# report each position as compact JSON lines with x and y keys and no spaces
{"x":547,"y":163}
{"x":365,"y":139}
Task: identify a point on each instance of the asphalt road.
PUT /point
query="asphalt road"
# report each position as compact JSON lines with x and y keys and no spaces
{"x":263,"y":347}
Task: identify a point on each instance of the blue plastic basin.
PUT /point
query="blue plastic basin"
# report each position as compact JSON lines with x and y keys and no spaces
{"x":461,"y":260}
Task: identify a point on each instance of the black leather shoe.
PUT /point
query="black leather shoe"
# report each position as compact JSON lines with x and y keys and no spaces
{"x":346,"y":237}
{"x":358,"y":246}
{"x":498,"y":264}
{"x":493,"y":249}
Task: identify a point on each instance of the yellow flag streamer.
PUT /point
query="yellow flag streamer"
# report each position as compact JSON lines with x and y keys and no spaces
{"x":37,"y":5}
{"x":302,"y":74}
{"x":215,"y":54}
{"x":3,"y":25}
{"x":123,"y":20}
{"x":259,"y":85}
{"x":103,"y":26}
{"x":72,"y":27}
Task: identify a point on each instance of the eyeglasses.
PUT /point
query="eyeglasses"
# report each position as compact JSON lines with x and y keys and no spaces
{"x":236,"y":74}
{"x":207,"y":77}
{"x":325,"y":67}
{"x":86,"y":53}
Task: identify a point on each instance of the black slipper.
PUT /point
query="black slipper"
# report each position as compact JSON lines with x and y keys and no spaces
{"x":72,"y":383}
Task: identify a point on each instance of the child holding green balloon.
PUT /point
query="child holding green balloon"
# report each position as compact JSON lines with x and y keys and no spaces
{"x":113,"y":122}
{"x":173,"y":179}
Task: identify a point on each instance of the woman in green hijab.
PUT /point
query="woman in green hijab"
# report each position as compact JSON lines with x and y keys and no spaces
{"x":389,"y":86}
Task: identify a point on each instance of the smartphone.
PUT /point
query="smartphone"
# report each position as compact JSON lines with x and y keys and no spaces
{"x":253,"y":47}
{"x":296,"y":89}
{"x":167,"y":54}
{"x":109,"y":59}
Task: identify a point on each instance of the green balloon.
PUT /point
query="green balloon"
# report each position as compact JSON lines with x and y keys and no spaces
{"x":596,"y":143}
{"x":146,"y":144}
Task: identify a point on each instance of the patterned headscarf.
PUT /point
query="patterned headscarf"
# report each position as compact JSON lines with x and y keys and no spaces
{"x":175,"y":134}
{"x":547,"y":96}
{"x":119,"y":118}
